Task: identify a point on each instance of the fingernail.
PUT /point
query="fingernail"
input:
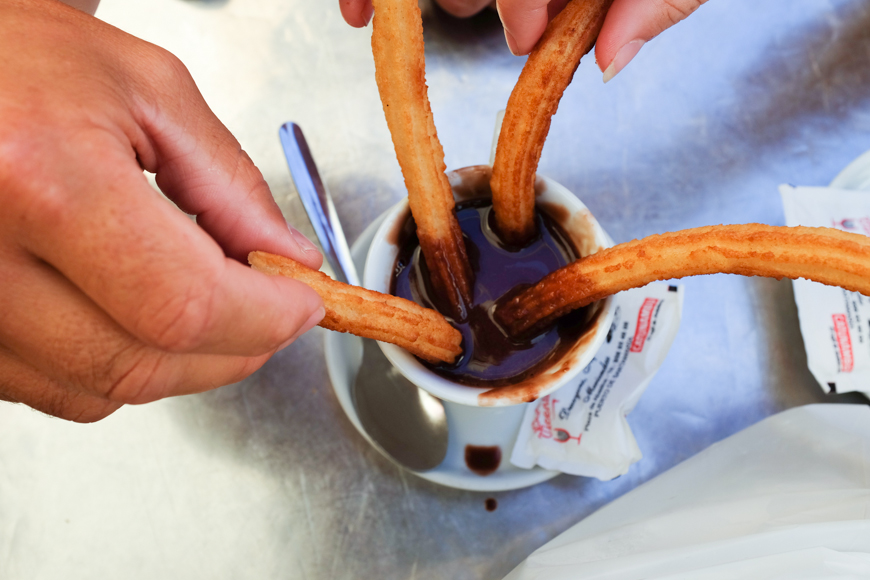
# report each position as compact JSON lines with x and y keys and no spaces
{"x":622,"y":58}
{"x":367,"y":15}
{"x":511,"y":42}
{"x":304,"y":243}
{"x":312,"y":321}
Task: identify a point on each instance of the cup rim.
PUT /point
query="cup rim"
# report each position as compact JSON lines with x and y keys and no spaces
{"x":383,"y":253}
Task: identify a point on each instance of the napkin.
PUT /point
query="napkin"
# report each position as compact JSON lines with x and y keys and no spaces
{"x":835,"y":323}
{"x":786,"y":498}
{"x":582,"y":428}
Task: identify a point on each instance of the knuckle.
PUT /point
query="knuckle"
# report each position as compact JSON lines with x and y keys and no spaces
{"x":179,"y":322}
{"x":27,"y":192}
{"x":247,"y":172}
{"x":165,"y":67}
{"x":51,"y":402}
{"x":132,"y":382}
{"x":674,"y":11}
{"x":48,"y":206}
{"x":91,"y":412}
{"x":38,"y":199}
{"x":73,"y":406}
{"x":17,"y":150}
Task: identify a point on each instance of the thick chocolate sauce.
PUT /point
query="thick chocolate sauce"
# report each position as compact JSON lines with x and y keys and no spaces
{"x":490,"y":358}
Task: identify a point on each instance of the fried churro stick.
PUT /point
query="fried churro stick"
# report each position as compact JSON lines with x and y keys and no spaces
{"x":533,"y":102}
{"x":824,"y":255}
{"x":397,"y":46}
{"x":421,"y":331}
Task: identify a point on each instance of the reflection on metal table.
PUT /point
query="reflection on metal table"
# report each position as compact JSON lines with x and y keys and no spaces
{"x":267,"y":478}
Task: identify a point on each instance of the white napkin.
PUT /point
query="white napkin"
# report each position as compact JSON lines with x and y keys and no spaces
{"x":786,"y":498}
{"x":835,"y":323}
{"x":582,"y":428}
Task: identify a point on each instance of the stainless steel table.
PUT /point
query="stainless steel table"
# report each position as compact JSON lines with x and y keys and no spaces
{"x":267,"y":478}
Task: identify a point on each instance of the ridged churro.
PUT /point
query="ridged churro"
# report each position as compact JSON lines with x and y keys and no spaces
{"x":823,"y":255}
{"x":423,"y":332}
{"x":397,"y":46}
{"x":533,"y":102}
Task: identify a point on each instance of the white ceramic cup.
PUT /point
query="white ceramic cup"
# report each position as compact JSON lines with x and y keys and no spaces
{"x":587,"y":236}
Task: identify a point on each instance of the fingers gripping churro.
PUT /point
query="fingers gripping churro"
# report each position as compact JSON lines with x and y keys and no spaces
{"x":397,"y":46}
{"x":533,"y":102}
{"x":421,"y":331}
{"x":824,"y":255}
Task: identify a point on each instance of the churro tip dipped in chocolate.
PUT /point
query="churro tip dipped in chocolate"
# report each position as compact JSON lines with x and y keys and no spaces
{"x":823,"y":255}
{"x":533,"y":102}
{"x":369,"y":314}
{"x":397,"y":47}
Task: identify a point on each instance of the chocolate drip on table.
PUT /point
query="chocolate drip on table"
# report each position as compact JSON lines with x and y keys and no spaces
{"x":491,"y":358}
{"x":483,"y":459}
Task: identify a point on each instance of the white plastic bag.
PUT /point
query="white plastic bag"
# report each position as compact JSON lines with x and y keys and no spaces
{"x":786,"y":498}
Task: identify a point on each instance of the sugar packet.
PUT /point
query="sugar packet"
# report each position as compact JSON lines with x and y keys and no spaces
{"x":582,"y":429}
{"x":835,"y":323}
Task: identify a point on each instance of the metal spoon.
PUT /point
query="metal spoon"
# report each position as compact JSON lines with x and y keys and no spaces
{"x":407,"y":423}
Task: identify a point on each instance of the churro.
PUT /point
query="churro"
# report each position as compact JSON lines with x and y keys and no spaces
{"x":397,"y":46}
{"x":532,"y":103}
{"x":421,"y":331}
{"x":823,"y":255}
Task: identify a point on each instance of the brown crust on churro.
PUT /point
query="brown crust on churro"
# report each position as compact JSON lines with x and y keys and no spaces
{"x":421,"y":331}
{"x":397,"y":46}
{"x":533,"y":102}
{"x":823,"y":255}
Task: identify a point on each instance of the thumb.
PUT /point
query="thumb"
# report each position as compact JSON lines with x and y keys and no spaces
{"x":357,"y":13}
{"x":630,"y":24}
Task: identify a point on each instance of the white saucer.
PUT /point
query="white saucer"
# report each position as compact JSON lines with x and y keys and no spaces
{"x":467,"y":425}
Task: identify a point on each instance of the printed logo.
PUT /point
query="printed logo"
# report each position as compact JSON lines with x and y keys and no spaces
{"x":644,"y":320}
{"x":844,"y":343}
{"x":563,"y":436}
{"x":542,"y":424}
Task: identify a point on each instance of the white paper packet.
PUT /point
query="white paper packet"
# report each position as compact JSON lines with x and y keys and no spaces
{"x":786,"y":498}
{"x":582,"y":429}
{"x":835,"y":323}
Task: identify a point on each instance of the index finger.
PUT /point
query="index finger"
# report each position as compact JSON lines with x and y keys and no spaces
{"x":150,"y":268}
{"x":201,"y":166}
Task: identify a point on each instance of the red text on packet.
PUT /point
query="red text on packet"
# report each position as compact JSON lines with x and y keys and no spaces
{"x":644,"y":319}
{"x":542,"y":424}
{"x":844,"y":343}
